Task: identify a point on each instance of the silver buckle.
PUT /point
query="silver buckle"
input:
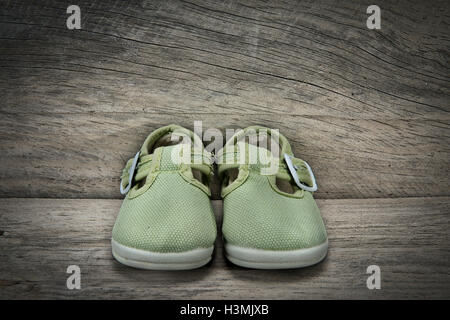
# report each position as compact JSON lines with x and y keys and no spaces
{"x":293,"y":170}
{"x":130,"y":174}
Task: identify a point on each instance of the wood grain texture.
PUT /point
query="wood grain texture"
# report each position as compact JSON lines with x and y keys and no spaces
{"x":301,"y":58}
{"x":82,"y":156}
{"x":368,"y":109}
{"x":407,"y":238}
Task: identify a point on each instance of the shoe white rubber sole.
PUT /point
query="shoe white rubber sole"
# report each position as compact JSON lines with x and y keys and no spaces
{"x":143,"y":259}
{"x":275,"y":259}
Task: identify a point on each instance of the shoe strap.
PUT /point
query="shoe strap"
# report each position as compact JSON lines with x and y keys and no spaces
{"x":138,"y":167}
{"x":289,"y":167}
{"x":300,"y":171}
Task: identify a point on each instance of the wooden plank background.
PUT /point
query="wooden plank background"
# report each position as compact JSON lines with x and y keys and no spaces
{"x":408,"y":238}
{"x":368,"y":109}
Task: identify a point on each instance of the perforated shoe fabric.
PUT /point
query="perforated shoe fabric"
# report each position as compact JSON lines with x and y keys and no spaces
{"x":259,"y":215}
{"x":166,"y":210}
{"x":171,"y":216}
{"x":255,"y":216}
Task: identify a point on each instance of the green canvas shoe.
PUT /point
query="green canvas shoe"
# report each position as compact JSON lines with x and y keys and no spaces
{"x":166,"y":220}
{"x":271,"y":220}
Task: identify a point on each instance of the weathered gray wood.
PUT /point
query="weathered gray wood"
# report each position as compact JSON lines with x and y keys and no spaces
{"x":80,"y":155}
{"x":408,"y":238}
{"x":224,"y":57}
{"x":369,"y":109}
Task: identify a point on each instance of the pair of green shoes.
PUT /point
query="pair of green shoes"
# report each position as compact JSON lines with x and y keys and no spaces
{"x":166,"y":222}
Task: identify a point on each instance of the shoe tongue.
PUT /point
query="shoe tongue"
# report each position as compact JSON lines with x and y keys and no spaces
{"x":167,"y":136}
